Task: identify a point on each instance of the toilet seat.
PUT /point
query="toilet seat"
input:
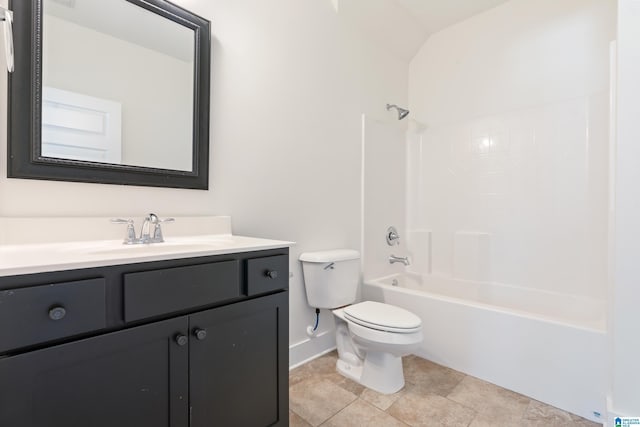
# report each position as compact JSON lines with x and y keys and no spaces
{"x":383,"y":317}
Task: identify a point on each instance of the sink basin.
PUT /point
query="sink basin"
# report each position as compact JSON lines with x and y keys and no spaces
{"x":190,"y":245}
{"x":151,"y":249}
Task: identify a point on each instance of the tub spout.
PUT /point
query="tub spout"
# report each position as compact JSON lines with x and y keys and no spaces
{"x":403,"y":259}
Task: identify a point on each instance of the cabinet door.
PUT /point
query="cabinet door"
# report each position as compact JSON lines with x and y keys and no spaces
{"x":239,"y":367}
{"x":130,"y":378}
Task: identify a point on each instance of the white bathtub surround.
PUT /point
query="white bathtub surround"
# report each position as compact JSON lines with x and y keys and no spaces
{"x":581,"y":312}
{"x":551,"y":347}
{"x":541,"y":202}
{"x":472,"y":256}
{"x":419,"y":243}
{"x":516,"y":148}
{"x":517,"y":142}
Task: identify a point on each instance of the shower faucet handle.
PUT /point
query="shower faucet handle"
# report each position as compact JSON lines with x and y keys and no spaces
{"x":393,"y":238}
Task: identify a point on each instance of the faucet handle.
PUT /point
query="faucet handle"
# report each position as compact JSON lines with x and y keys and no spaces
{"x":121,"y":221}
{"x":157,"y":230}
{"x":393,"y":238}
{"x":131,"y":232}
{"x":155,"y":219}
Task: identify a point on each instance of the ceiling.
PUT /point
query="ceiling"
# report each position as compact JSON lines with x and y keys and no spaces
{"x":402,"y":26}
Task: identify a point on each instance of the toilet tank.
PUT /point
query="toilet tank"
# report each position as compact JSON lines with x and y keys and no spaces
{"x":331,"y":277}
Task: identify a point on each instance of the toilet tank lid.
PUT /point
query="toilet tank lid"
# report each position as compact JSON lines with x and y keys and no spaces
{"x":333,"y":255}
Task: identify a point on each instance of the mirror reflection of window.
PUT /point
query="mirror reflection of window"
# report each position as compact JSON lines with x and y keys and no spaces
{"x":115,"y":53}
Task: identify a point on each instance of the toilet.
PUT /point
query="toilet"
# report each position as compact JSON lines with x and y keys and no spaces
{"x":371,"y":337}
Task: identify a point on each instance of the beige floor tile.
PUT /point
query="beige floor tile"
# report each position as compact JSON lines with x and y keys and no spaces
{"x":583,"y":422}
{"x":296,"y":420}
{"x":429,"y":376}
{"x":299,"y":374}
{"x":361,"y":413}
{"x":489,"y":399}
{"x":540,"y":414}
{"x":324,"y":367}
{"x":549,"y":414}
{"x":325,"y":363}
{"x":346,"y":383}
{"x":379,"y":400}
{"x":433,"y":396}
{"x":318,"y":400}
{"x":497,"y":419}
{"x":430,"y":410}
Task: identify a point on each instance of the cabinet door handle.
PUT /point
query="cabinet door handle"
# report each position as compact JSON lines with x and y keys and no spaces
{"x":200,"y":334}
{"x":57,"y":313}
{"x":271,"y":274}
{"x":181,"y":340}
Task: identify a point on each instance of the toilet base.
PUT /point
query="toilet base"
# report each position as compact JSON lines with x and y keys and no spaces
{"x":381,"y":372}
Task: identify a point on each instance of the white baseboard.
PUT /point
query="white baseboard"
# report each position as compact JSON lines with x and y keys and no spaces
{"x":311,"y":348}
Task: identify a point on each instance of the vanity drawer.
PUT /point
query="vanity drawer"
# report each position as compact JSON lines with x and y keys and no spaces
{"x":267,"y":274}
{"x":43,"y":313}
{"x":158,"y":292}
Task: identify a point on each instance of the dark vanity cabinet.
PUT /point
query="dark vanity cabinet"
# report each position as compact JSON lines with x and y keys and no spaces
{"x":191,"y":342}
{"x":126,"y":378}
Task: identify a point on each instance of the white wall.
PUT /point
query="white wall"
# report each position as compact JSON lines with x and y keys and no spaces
{"x":290,"y":81}
{"x":625,"y":394}
{"x":513,"y":165}
{"x":157,"y":108}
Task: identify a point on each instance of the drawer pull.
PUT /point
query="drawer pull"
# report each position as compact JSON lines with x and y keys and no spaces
{"x":271,"y":274}
{"x":200,"y":334}
{"x":57,"y":313}
{"x":181,"y":340}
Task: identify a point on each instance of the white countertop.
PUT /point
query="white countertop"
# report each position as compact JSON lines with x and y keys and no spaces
{"x":43,"y":257}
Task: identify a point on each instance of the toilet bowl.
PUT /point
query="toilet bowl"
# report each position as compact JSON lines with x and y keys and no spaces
{"x":371,"y":345}
{"x":371,"y":337}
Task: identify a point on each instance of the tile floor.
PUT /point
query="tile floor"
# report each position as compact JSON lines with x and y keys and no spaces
{"x":433,"y":396}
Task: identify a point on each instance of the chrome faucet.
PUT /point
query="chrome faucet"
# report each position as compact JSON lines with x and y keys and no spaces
{"x":145,"y":232}
{"x":403,"y":259}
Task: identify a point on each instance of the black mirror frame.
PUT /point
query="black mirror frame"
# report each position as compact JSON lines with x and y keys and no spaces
{"x":25,"y":106}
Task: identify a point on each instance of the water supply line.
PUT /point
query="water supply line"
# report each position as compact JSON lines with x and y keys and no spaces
{"x":312,"y":330}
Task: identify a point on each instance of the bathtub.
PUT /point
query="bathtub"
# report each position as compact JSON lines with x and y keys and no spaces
{"x":546,"y":345}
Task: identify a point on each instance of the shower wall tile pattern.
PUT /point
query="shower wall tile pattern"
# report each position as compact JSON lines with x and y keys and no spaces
{"x":532,"y":181}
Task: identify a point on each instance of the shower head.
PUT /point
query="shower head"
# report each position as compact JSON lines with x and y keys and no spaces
{"x":402,"y":113}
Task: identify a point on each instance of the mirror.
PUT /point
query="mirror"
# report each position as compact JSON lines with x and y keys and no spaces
{"x":111,"y":92}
